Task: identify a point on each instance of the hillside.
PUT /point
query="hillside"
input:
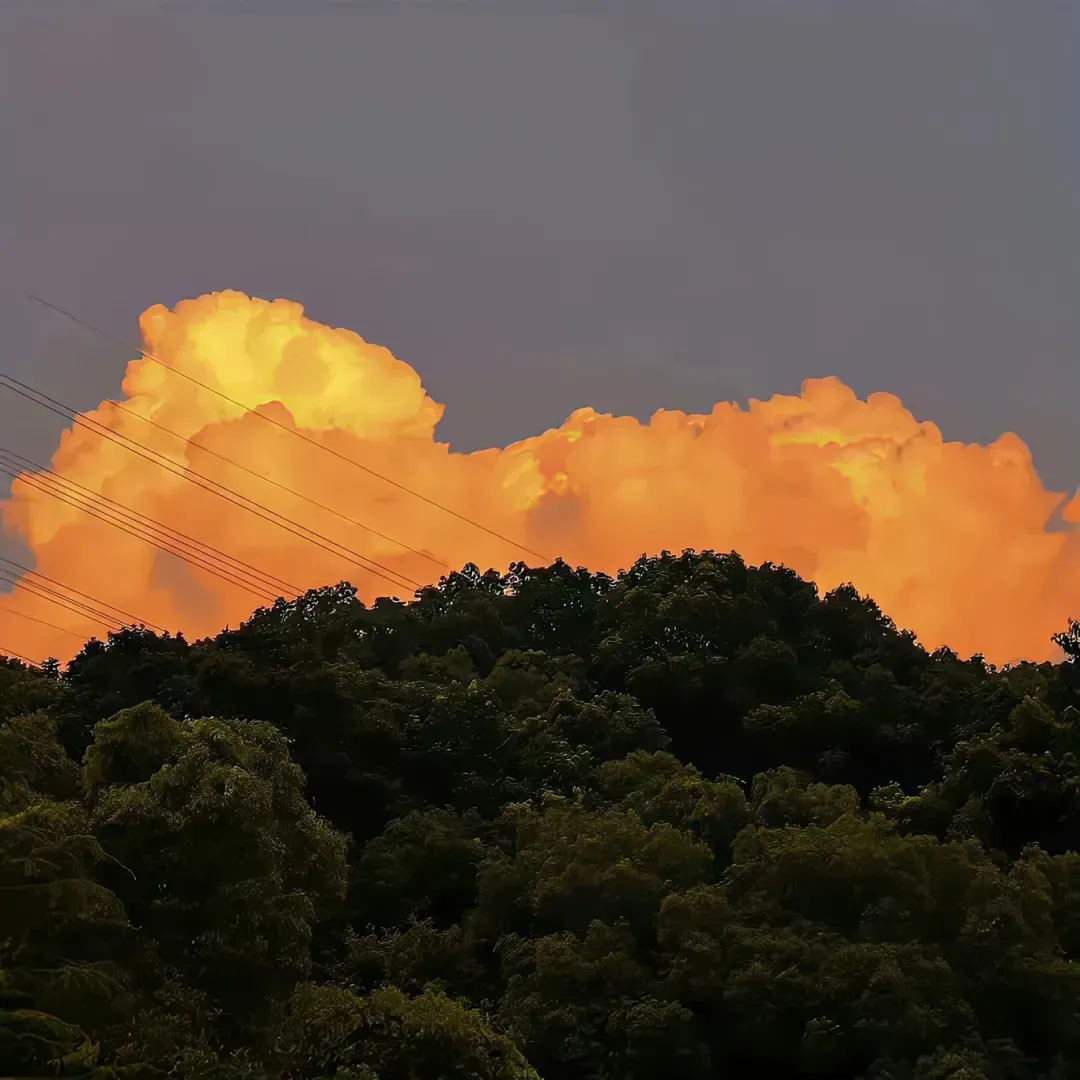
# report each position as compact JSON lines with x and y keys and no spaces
{"x":695,"y":821}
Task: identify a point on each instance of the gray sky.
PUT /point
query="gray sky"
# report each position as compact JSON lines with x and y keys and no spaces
{"x":542,"y":206}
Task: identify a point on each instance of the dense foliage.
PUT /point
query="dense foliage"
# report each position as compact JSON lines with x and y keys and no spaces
{"x":696,"y":821}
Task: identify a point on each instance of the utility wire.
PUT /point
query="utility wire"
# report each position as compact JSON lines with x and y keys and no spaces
{"x":270,"y":480}
{"x":284,"y":427}
{"x":261,"y":592}
{"x":43,"y":622}
{"x":73,"y":603}
{"x":185,"y":472}
{"x":145,"y":520}
{"x":11,"y":654}
{"x":212,"y":486}
{"x":133,"y":621}
{"x":54,"y":597}
{"x":173,"y":538}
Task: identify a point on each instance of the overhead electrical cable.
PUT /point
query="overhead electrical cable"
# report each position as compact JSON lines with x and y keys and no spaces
{"x":46,"y":592}
{"x":139,"y":533}
{"x":185,"y":472}
{"x":394,"y":577}
{"x":44,"y":622}
{"x":135,"y":524}
{"x":53,"y":597}
{"x":285,"y":427}
{"x":270,"y":480}
{"x":11,"y":654}
{"x":130,"y":512}
{"x":132,"y":620}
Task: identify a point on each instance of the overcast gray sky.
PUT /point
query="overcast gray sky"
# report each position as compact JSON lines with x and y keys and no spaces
{"x":546,"y":205}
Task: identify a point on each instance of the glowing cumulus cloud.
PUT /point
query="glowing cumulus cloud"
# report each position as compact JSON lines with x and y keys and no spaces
{"x":953,"y":540}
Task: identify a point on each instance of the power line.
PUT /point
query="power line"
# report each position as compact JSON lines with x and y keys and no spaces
{"x":185,"y":472}
{"x":292,"y":430}
{"x":53,"y":597}
{"x":43,"y":622}
{"x":132,"y":529}
{"x":212,"y":486}
{"x":121,"y":516}
{"x":277,"y":484}
{"x":27,"y":572}
{"x":11,"y":654}
{"x":261,"y":592}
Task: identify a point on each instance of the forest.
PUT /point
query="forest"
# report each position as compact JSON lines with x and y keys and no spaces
{"x":697,"y":820}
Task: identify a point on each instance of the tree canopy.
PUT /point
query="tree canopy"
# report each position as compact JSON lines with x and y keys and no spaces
{"x":694,"y":821}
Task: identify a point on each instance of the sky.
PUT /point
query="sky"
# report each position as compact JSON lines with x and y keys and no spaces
{"x":541,"y":206}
